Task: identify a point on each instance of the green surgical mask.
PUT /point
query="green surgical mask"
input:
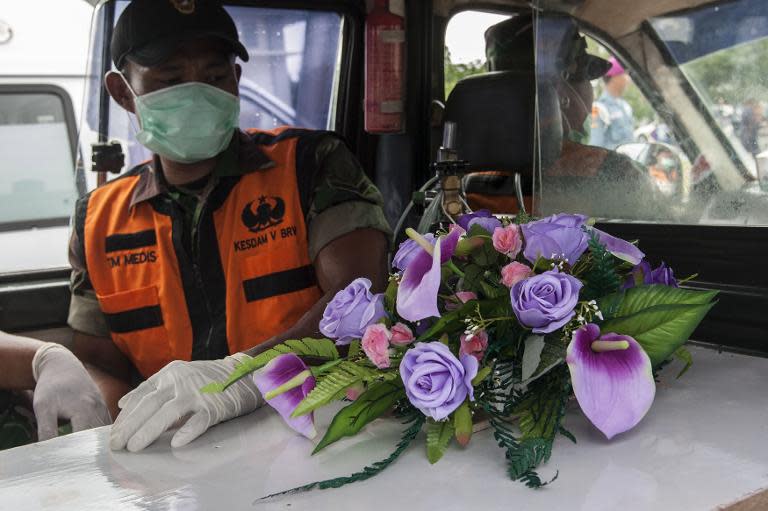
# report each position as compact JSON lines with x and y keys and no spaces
{"x":188,"y":122}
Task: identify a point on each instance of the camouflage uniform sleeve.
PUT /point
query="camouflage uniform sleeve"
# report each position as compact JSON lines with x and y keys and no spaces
{"x":343,"y":198}
{"x":85,"y":314}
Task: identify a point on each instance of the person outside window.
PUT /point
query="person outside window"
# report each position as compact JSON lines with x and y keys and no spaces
{"x":613,"y":122}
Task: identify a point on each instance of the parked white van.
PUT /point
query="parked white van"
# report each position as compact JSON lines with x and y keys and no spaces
{"x":43,"y":67}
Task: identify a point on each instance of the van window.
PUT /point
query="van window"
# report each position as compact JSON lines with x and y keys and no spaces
{"x":290,"y":79}
{"x":465,"y":45}
{"x":37,"y":182}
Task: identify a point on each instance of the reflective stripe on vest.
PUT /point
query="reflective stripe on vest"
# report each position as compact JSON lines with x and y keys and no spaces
{"x":140,"y":278}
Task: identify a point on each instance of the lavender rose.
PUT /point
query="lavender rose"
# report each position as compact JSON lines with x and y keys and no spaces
{"x":351,"y":311}
{"x":436,"y":382}
{"x":558,"y":236}
{"x":545,"y":302}
{"x":483,"y":217}
{"x":642,"y":274}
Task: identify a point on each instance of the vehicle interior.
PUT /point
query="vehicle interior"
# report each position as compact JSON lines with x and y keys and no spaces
{"x":307,"y":69}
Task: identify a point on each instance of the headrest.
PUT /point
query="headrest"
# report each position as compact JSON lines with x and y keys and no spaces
{"x":495,"y":114}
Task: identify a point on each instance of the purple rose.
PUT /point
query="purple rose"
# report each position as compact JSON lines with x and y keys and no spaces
{"x":352,"y":309}
{"x":642,"y":274}
{"x":435,"y":381}
{"x":408,"y":250}
{"x":483,"y":217}
{"x":545,"y":302}
{"x":558,"y":236}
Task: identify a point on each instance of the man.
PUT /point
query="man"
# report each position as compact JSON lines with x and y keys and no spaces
{"x":226,"y":240}
{"x":584,"y":179}
{"x":613,"y":122}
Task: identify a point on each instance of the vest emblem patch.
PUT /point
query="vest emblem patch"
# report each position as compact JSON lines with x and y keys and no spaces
{"x":269,"y":212}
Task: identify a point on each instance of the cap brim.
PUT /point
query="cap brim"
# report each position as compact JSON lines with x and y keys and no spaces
{"x":595,"y":67}
{"x":159,"y":51}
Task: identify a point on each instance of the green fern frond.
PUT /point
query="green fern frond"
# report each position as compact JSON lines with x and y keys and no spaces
{"x":415,"y":420}
{"x":335,"y":381}
{"x":600,"y":277}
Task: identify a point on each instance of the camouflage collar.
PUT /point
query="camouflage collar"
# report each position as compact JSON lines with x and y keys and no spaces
{"x":243,"y":156}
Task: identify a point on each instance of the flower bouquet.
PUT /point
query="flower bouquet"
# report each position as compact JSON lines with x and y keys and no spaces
{"x":503,"y":319}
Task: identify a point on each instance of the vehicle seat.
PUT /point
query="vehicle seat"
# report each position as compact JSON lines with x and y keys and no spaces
{"x":495,"y":117}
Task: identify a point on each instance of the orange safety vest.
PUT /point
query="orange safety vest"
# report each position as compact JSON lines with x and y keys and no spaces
{"x":252,"y":278}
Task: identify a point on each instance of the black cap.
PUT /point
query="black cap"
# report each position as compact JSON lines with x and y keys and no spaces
{"x":509,"y":46}
{"x":149,"y":31}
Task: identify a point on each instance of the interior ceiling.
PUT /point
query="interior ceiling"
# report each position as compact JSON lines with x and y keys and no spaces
{"x":614,"y":17}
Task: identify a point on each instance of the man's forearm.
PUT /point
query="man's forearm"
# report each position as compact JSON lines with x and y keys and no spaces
{"x":16,"y":354}
{"x":112,"y":388}
{"x":307,"y":326}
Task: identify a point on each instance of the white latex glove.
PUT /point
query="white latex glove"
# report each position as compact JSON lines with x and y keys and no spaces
{"x":64,"y":390}
{"x":173,"y":393}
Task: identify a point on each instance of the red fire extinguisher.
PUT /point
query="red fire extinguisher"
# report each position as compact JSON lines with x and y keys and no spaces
{"x":384,"y":70}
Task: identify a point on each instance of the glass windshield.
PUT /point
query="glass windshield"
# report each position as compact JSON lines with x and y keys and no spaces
{"x":37,"y":178}
{"x":666,"y":126}
{"x":723,"y":51}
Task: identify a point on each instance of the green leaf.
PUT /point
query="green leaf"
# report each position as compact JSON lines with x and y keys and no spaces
{"x":660,"y":329}
{"x":683,"y":354}
{"x":624,"y":303}
{"x":307,"y":347}
{"x":462,"y":423}
{"x":485,"y":255}
{"x":317,"y":348}
{"x":439,"y":435}
{"x":492,"y":291}
{"x":542,"y":409}
{"x":354,"y":349}
{"x":472,"y":276}
{"x":370,"y":405}
{"x":552,"y":355}
{"x":453,"y":321}
{"x":534,"y":346}
{"x":481,"y":375}
{"x":660,"y":318}
{"x":330,"y":385}
{"x":390,"y":295}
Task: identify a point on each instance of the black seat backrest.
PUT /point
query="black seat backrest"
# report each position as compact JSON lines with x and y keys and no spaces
{"x":495,"y":115}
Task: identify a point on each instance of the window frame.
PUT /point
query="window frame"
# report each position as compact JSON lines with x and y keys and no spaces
{"x":72,"y":135}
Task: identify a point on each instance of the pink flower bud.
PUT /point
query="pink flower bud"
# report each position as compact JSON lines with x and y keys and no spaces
{"x":513,"y":273}
{"x":507,"y":240}
{"x":354,"y":391}
{"x":401,"y":335}
{"x":462,"y":297}
{"x":375,"y":344}
{"x":474,"y":344}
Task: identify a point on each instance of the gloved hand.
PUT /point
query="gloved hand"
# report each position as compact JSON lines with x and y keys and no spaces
{"x":64,"y":390}
{"x":173,"y":393}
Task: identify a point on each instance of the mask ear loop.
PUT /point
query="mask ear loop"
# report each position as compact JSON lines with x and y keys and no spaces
{"x":135,"y":125}
{"x":576,"y":95}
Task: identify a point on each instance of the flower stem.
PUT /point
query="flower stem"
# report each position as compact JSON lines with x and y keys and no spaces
{"x":455,"y":269}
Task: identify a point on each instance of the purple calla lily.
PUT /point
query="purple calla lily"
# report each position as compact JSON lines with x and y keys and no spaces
{"x":611,"y":377}
{"x":280,"y":371}
{"x":624,"y":250}
{"x":417,"y":292}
